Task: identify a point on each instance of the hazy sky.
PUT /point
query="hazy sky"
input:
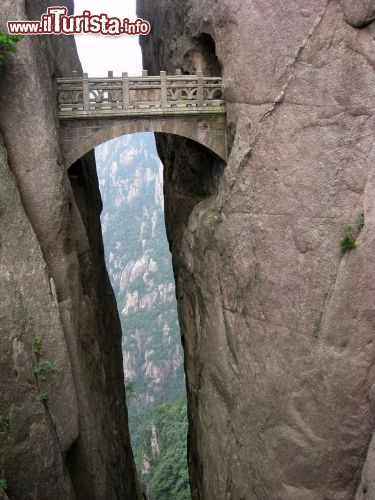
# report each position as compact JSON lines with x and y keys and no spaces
{"x":99,"y":53}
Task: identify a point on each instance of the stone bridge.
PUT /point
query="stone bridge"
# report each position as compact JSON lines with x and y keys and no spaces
{"x":95,"y":110}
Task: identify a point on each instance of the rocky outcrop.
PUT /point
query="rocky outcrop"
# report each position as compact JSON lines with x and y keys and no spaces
{"x":278,"y":321}
{"x":358,"y":13}
{"x":63,"y":422}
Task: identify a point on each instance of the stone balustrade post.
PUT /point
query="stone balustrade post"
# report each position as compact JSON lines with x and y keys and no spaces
{"x":163,"y":89}
{"x":110,"y":95}
{"x":144,"y":72}
{"x":200,"y":91}
{"x":125,"y":91}
{"x":178,"y":72}
{"x":86,"y":92}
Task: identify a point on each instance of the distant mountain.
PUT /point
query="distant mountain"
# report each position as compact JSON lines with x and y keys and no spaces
{"x":139,"y":264}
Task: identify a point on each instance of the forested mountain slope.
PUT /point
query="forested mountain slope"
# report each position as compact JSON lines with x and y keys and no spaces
{"x":139,"y":264}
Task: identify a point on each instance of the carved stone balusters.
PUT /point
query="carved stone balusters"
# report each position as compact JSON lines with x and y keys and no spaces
{"x":125,"y":94}
{"x":200,"y":90}
{"x":125,"y":91}
{"x":163,"y":89}
{"x":86,"y":92}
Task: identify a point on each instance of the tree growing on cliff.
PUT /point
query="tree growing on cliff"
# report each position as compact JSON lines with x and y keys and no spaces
{"x":8,"y":43}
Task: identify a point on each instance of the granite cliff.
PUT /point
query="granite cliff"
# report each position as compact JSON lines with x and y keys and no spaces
{"x":63,"y":420}
{"x":278,"y":321}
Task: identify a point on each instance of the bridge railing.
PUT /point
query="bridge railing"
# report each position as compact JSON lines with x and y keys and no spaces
{"x":83,"y":95}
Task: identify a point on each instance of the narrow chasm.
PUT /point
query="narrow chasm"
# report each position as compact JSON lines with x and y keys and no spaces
{"x":130,"y":177}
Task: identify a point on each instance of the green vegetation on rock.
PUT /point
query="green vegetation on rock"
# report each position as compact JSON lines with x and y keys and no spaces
{"x":8,"y":43}
{"x":167,"y":477}
{"x":44,"y":367}
{"x":349,"y":234}
{"x":37,"y":347}
{"x":43,"y":396}
{"x":347,"y":241}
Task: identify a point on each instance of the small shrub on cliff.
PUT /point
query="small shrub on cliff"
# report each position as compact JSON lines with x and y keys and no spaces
{"x":44,"y":367}
{"x":37,"y":347}
{"x":347,"y":241}
{"x":43,"y":396}
{"x":3,"y":484}
{"x":8,"y":43}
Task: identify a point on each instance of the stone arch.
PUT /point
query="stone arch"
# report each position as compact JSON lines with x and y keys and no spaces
{"x":80,"y":136}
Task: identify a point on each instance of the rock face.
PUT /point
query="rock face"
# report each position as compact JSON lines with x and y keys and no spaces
{"x":358,"y":13}
{"x":63,"y":421}
{"x":278,"y":322}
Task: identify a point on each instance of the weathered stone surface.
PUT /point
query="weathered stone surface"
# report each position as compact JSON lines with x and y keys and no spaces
{"x":358,"y":13}
{"x":366,"y":489}
{"x":54,"y":286}
{"x":80,"y":135}
{"x":34,"y":437}
{"x":278,"y":325}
